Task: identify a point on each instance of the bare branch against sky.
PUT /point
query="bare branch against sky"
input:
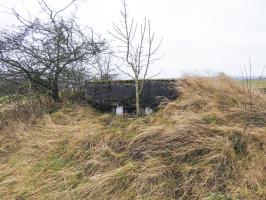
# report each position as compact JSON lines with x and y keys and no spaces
{"x":206,"y":35}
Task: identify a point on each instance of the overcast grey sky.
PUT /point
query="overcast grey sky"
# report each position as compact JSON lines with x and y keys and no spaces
{"x":199,"y":35}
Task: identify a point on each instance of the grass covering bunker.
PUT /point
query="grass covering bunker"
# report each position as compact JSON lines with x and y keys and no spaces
{"x":192,"y":148}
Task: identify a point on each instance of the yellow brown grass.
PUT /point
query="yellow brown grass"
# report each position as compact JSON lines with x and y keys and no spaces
{"x":17,"y":116}
{"x":194,"y":148}
{"x":197,"y":147}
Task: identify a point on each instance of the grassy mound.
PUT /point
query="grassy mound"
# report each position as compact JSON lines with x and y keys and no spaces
{"x":198,"y":147}
{"x":209,"y":144}
{"x":205,"y":147}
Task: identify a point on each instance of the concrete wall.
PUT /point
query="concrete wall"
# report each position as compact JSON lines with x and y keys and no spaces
{"x":105,"y":95}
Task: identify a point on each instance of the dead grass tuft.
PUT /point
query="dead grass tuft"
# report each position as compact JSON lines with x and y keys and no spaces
{"x":16,"y":119}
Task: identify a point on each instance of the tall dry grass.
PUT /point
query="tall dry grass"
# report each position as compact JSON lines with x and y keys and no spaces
{"x":197,"y":147}
{"x":17,"y":116}
{"x":193,"y":148}
{"x":24,"y":109}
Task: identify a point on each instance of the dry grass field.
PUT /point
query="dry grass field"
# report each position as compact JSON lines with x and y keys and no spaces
{"x":208,"y":144}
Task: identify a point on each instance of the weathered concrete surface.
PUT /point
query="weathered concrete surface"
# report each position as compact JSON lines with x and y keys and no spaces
{"x":105,"y":95}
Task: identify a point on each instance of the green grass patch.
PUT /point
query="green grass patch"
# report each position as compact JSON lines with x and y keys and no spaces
{"x":257,"y":83}
{"x":218,"y":196}
{"x":131,"y":135}
{"x":212,"y":119}
{"x":3,"y":99}
{"x":52,"y":163}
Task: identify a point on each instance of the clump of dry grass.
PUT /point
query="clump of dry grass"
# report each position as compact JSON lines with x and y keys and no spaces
{"x":17,"y":116}
{"x":24,"y":110}
{"x":220,"y":96}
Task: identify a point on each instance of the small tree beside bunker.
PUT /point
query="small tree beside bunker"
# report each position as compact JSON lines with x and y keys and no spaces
{"x":137,"y":50}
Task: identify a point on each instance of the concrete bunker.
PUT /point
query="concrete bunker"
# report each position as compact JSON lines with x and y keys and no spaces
{"x":119,"y":96}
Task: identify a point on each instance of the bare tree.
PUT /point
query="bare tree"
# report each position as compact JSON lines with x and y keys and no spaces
{"x":250,"y":85}
{"x":46,"y":48}
{"x":137,"y":50}
{"x":104,"y":68}
{"x":74,"y":77}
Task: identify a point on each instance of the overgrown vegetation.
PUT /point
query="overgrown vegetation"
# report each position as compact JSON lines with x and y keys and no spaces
{"x":49,"y":53}
{"x":193,"y":148}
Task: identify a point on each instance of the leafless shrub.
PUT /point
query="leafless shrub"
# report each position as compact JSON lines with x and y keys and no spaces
{"x":49,"y":51}
{"x":250,"y":90}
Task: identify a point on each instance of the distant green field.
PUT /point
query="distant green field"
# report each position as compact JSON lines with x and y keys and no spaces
{"x":259,"y":83}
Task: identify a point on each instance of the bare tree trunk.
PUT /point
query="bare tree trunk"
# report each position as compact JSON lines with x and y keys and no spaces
{"x":137,"y":98}
{"x":55,"y":93}
{"x":55,"y":89}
